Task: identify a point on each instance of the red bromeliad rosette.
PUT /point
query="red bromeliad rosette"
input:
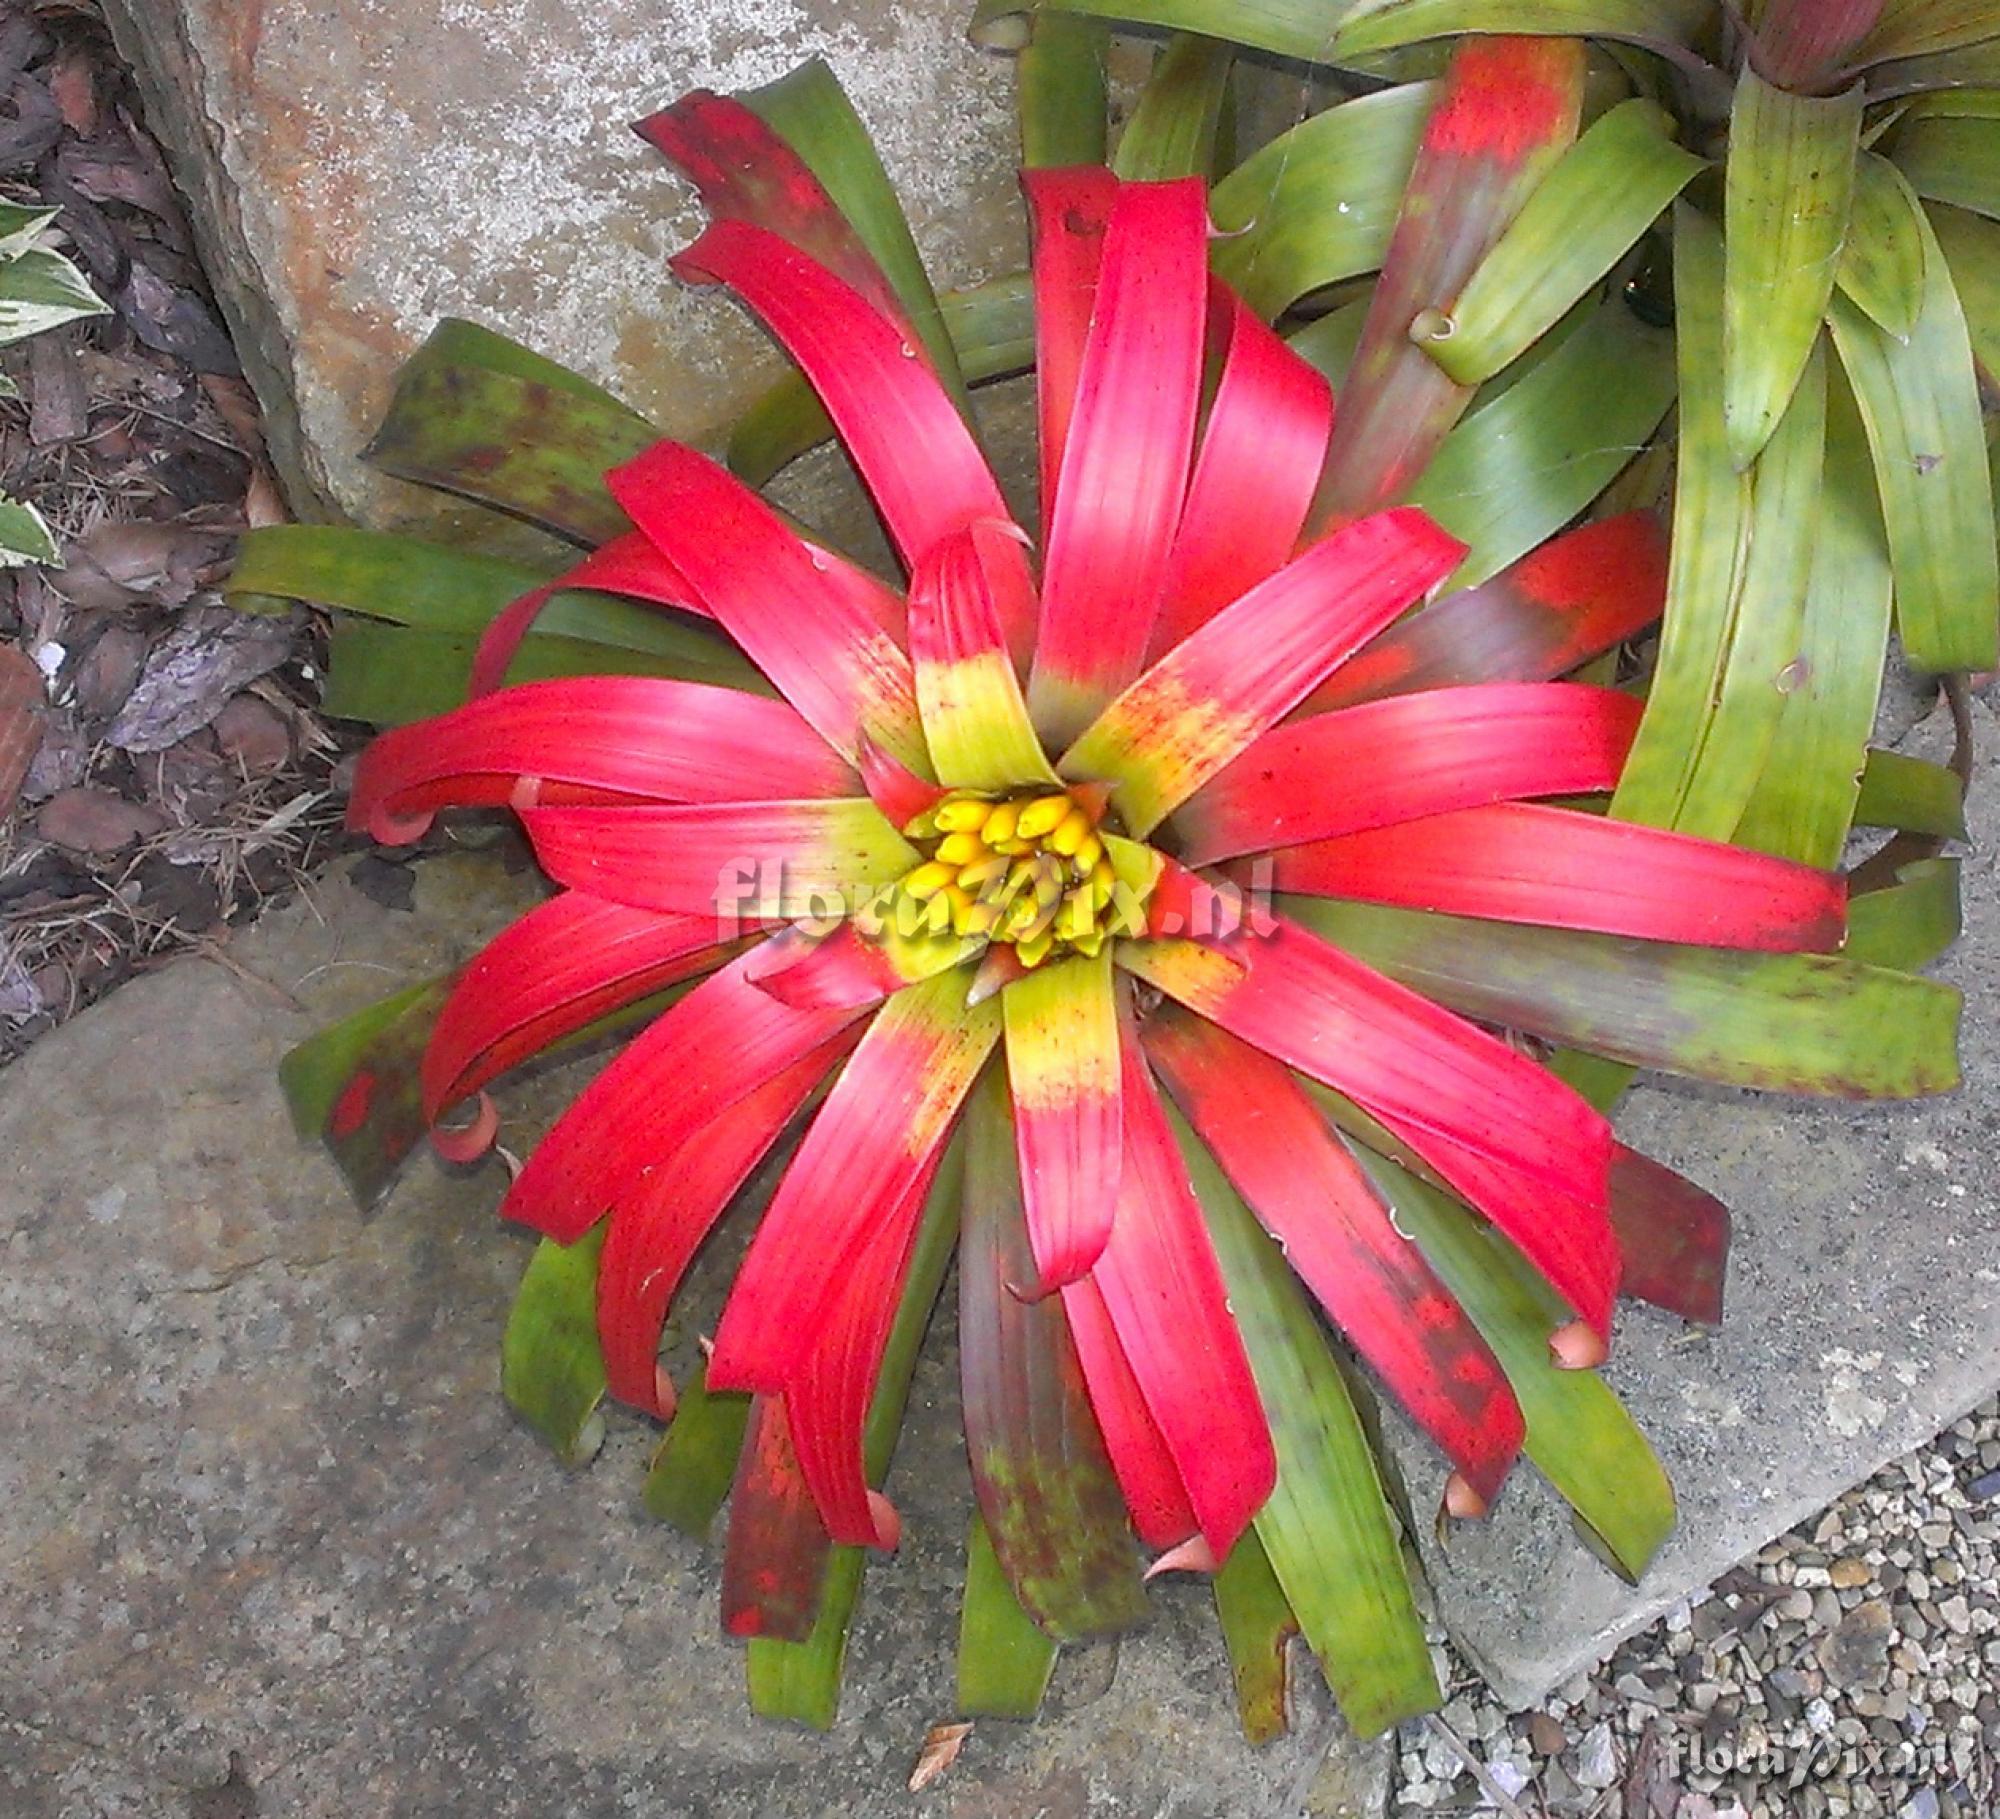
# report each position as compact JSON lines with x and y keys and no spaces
{"x":1068,"y":851}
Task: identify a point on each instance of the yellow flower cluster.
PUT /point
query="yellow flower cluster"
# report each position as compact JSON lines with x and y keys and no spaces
{"x":1029,"y":870}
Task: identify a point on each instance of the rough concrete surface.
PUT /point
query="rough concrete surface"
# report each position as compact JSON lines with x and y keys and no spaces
{"x":362,"y":167}
{"x":260,"y":1499}
{"x":1862,"y":1318}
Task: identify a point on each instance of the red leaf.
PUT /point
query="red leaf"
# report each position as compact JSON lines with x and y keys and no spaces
{"x":906,"y":436}
{"x":631,"y":737}
{"x":727,"y":860}
{"x":1251,"y":664}
{"x":829,"y":1396}
{"x":1516,"y":1141}
{"x":1124,"y":465}
{"x":746,"y":172}
{"x":1410,"y":756}
{"x":1068,"y":212}
{"x":880,"y":1128}
{"x":1164,"y":1293}
{"x":650,"y":1100}
{"x":656,"y":1231}
{"x":775,"y":1559}
{"x":806,"y":623}
{"x":1064,"y":1072}
{"x":561,"y":967}
{"x":1524,"y":862}
{"x":1506,"y":109}
{"x":1314,"y":1199}
{"x":1573,"y":599}
{"x":1147,"y":1474}
{"x":1044,"y":1480}
{"x":1673,"y":1235}
{"x":1254,"y":477}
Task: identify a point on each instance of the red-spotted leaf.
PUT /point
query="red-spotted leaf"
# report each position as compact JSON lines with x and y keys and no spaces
{"x":1580,"y":594}
{"x":1045,"y":1485}
{"x":1506,"y":111}
{"x":1251,"y":664}
{"x":1310,"y":1195}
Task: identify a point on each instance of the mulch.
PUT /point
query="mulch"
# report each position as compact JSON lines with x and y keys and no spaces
{"x":163,"y":770}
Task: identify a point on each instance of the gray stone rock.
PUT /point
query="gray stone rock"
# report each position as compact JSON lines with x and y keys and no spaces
{"x":1862,"y":1318}
{"x":359,"y":170}
{"x":270,"y":1543}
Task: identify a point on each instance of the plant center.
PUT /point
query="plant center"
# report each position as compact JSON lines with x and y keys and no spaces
{"x":1029,"y":870}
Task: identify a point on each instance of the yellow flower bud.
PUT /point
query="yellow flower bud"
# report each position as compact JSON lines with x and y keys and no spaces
{"x":965,"y":814}
{"x":1042,"y":817}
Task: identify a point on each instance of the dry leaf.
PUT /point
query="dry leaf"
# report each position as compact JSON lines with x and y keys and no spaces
{"x":263,"y":504}
{"x":21,"y":698}
{"x":117,"y":565}
{"x":73,"y":84}
{"x":940,"y":1751}
{"x":95,"y":821}
{"x":192,"y":671}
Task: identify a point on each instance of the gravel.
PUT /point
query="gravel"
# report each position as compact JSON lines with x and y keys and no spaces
{"x":1850,"y":1670}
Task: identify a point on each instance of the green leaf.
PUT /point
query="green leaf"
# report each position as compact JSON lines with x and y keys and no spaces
{"x":1172,"y":132}
{"x":1911,"y":795}
{"x":1951,"y":153}
{"x":691,"y":1473}
{"x":1332,"y":1541}
{"x":1790,"y":183}
{"x":1060,"y":82}
{"x":1976,"y":64}
{"x":1465,"y":188}
{"x":1727,"y":657}
{"x":551,"y":1368}
{"x":810,"y":111}
{"x":1050,"y":1498}
{"x":1912,"y":922}
{"x":1972,"y":251}
{"x":1531,"y":454}
{"x":25,"y":536}
{"x":1710,"y":530}
{"x":1882,"y":265}
{"x":356,"y":1086}
{"x":1327,"y":343}
{"x":40,"y":291}
{"x":1803,"y":804}
{"x":1004,"y":1661}
{"x":433,"y":588}
{"x":390,"y":675}
{"x":1579,"y":1435}
{"x":1256,"y":1625}
{"x":1607,"y":190}
{"x":1292,"y":28}
{"x":532,"y":447}
{"x":1910,"y":28}
{"x":21,"y":227}
{"x":1375,"y":25}
{"x":1798,"y":1023}
{"x":992,"y":325}
{"x":1920,"y":402}
{"x":801,"y":1680}
{"x":1318,"y":203}
{"x":455,"y":342}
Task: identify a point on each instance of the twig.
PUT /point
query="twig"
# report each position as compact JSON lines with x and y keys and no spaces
{"x":1488,"y":1786}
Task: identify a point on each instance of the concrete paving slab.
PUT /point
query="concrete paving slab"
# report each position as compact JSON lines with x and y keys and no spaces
{"x":261,"y":1504}
{"x":1863,"y":1316}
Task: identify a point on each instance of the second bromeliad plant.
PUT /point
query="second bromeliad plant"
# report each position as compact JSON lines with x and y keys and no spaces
{"x":1018,"y":792}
